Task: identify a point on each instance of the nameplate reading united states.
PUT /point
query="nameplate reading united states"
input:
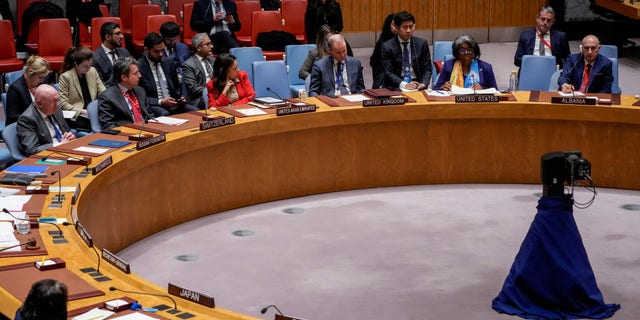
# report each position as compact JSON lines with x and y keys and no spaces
{"x":286,"y":111}
{"x":384,"y":102}
{"x":197,"y":297}
{"x":102,"y":165}
{"x":146,"y":143}
{"x":591,"y":101}
{"x":116,"y":261}
{"x":84,"y":235}
{"x":215,"y":123}
{"x":477,"y":98}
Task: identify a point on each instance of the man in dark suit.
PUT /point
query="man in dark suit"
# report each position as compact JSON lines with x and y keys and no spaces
{"x":124,"y":102}
{"x":587,"y":71}
{"x":110,"y":50}
{"x":42,"y":125}
{"x":336,"y":73}
{"x":198,"y":70}
{"x":159,"y":79}
{"x":175,"y":50}
{"x":541,"y":40}
{"x":218,"y":19}
{"x":406,"y":59}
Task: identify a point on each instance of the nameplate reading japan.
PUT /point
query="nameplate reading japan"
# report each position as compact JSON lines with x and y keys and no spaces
{"x":197,"y":297}
{"x":146,"y":143}
{"x":84,"y":235}
{"x":477,"y":98}
{"x":383,"y":102}
{"x":591,"y":101}
{"x":116,"y":261}
{"x":287,"y":111}
{"x":102,"y":165}
{"x":215,"y":123}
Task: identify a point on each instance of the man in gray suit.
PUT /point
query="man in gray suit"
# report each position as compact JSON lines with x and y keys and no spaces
{"x":109,"y":51}
{"x":42,"y":125}
{"x":337,"y":73}
{"x":198,"y":70}
{"x":124,"y":102}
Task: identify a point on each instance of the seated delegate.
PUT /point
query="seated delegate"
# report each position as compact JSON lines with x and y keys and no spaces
{"x":587,"y":71}
{"x":228,"y":85}
{"x":466,"y":70}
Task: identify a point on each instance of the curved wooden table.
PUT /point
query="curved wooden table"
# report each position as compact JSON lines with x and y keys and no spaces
{"x":260,"y":159}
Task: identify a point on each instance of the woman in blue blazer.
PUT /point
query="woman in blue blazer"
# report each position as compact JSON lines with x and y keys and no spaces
{"x":466,"y":70}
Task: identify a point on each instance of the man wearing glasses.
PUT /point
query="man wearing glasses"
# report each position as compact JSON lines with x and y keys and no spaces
{"x":109,"y":51}
{"x":406,"y":59}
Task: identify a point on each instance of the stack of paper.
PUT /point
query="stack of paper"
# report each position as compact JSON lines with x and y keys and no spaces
{"x":169,"y":121}
{"x":7,"y":237}
{"x":458,"y":91}
{"x":94,"y":314}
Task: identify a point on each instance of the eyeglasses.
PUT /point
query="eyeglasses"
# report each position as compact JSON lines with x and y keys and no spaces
{"x":465,"y":50}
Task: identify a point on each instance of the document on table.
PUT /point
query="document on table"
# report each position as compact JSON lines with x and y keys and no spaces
{"x":355,"y":97}
{"x":92,"y":150}
{"x":7,"y":237}
{"x":455,"y":90}
{"x":5,"y":192}
{"x":571,"y":94}
{"x":439,"y":93}
{"x":94,"y":314}
{"x":15,"y":202}
{"x":251,"y":112}
{"x":169,"y":121}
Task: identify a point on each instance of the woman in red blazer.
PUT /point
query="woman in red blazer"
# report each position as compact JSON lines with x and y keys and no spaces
{"x":229,"y":85}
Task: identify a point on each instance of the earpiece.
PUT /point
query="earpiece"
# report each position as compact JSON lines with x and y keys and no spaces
{"x":581,"y":50}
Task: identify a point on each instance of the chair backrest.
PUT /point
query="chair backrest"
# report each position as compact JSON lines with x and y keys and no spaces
{"x":609,"y":51}
{"x":139,"y":24}
{"x":536,"y":72}
{"x":441,"y":49}
{"x":246,"y":56}
{"x":22,"y":6}
{"x":126,"y":12}
{"x":174,"y":7}
{"x":92,"y":111}
{"x":96,"y":24}
{"x":264,"y":21}
{"x":553,"y":83}
{"x":187,"y":32}
{"x":245,"y":14}
{"x":293,"y":13}
{"x":615,"y":87}
{"x":10,"y":77}
{"x":296,"y":54}
{"x":58,"y":45}
{"x":8,"y":47}
{"x":272,"y":75}
{"x":10,"y":136}
{"x":4,"y":104}
{"x":155,"y":21}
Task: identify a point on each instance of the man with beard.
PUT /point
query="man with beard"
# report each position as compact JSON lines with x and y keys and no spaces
{"x":109,"y":51}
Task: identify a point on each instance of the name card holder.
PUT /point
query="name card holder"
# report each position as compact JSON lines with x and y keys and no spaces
{"x":102,"y":165}
{"x":49,"y":264}
{"x":217,"y":122}
{"x":143,"y":144}
{"x":86,"y":237}
{"x":391,"y":101}
{"x":197,"y":297}
{"x":295,"y":109}
{"x":116,"y":261}
{"x":590,"y":101}
{"x":478,"y":98}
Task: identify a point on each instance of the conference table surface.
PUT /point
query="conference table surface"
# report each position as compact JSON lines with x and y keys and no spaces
{"x":265,"y":158}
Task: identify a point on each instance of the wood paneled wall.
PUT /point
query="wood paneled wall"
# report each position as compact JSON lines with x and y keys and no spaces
{"x":368,"y":15}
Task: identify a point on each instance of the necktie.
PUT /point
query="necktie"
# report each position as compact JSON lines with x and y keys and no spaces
{"x":586,"y":78}
{"x":113,"y":56}
{"x":339,"y":80}
{"x":406,"y":65}
{"x":208,"y":69}
{"x":541,"y":47}
{"x":55,"y":128}
{"x":161,"y":86}
{"x":135,"y":106}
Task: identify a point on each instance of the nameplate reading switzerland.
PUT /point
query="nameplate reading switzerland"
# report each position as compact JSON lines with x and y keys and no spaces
{"x":287,"y":111}
{"x":383,"y":102}
{"x":116,"y":261}
{"x":197,"y":297}
{"x":574,"y":100}
{"x":146,"y":143}
{"x":84,"y":234}
{"x":217,"y":123}
{"x":102,"y":165}
{"x":477,"y":98}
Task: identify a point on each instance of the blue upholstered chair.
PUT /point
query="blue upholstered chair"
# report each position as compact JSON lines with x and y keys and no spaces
{"x":536,"y":72}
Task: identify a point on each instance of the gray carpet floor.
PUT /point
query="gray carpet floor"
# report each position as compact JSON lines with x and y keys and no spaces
{"x":415,"y":252}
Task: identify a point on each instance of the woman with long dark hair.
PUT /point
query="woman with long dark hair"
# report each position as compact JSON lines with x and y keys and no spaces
{"x":229,"y":85}
{"x":47,"y":300}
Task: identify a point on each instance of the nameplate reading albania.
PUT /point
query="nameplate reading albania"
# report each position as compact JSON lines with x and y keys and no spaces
{"x":215,"y":123}
{"x":197,"y":297}
{"x":295,"y":110}
{"x":146,"y":143}
{"x":591,"y":101}
{"x":102,"y":165}
{"x":116,"y":261}
{"x":477,"y":98}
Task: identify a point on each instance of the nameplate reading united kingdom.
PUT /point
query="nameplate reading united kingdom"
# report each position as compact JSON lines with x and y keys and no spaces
{"x":294,"y":109}
{"x":477,"y":98}
{"x":116,"y":261}
{"x":215,"y":123}
{"x":146,"y":143}
{"x":84,"y":234}
{"x":591,"y":101}
{"x":384,"y":102}
{"x":197,"y":297}
{"x":102,"y":165}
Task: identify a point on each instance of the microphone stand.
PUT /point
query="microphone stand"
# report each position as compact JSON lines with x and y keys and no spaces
{"x":286,"y":103}
{"x":59,"y":198}
{"x":51,"y":223}
{"x":175,"y":306}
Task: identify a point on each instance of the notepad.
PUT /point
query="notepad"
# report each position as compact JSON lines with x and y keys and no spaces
{"x":91,"y":150}
{"x":109,"y":143}
{"x":169,"y":121}
{"x":251,"y":112}
{"x":21,"y":168}
{"x":94,"y":314}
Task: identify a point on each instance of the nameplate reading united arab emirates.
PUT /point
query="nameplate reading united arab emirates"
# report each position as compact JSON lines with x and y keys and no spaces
{"x":116,"y":261}
{"x":102,"y":165}
{"x":197,"y":297}
{"x":286,"y":111}
{"x":146,"y":143}
{"x":384,"y":102}
{"x":84,"y":235}
{"x":477,"y":98}
{"x":591,"y":101}
{"x":215,"y":123}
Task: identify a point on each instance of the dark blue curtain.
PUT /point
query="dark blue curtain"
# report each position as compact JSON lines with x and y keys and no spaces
{"x":551,"y":277}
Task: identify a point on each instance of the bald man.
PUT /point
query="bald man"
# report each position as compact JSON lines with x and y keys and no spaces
{"x":42,"y":125}
{"x":588,"y":70}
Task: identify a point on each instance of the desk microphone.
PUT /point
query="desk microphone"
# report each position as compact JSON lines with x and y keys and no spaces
{"x":53,"y":173}
{"x":31,"y":244}
{"x":51,"y":223}
{"x":264,"y":310}
{"x":580,"y":56}
{"x":175,"y":306}
{"x":277,"y":95}
{"x":279,"y":315}
{"x":473,"y":83}
{"x":83,"y":161}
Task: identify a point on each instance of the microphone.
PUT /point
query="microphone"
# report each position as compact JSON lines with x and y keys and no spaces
{"x":264,"y":310}
{"x":60,"y":198}
{"x":175,"y":306}
{"x":278,"y":96}
{"x":82,"y":161}
{"x":580,"y":56}
{"x":473,"y":82}
{"x":31,"y":244}
{"x":51,"y":223}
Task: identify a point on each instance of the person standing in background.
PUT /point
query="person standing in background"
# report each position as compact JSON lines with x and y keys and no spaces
{"x":321,"y":12}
